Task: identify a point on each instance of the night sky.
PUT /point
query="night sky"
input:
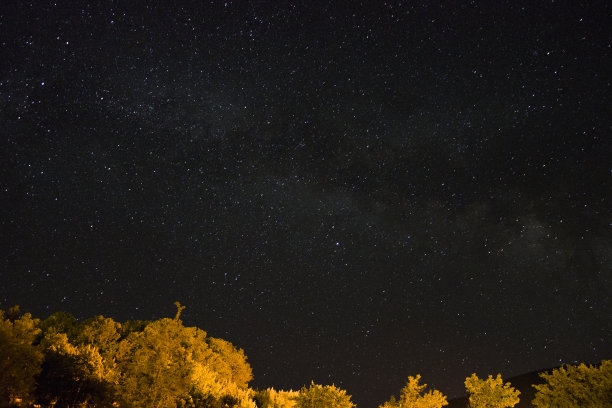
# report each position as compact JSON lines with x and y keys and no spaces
{"x":352,"y":192}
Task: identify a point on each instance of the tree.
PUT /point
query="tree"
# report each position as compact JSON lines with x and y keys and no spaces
{"x":270,"y":398}
{"x":412,"y":396}
{"x":392,"y":403}
{"x":323,"y":396}
{"x":61,"y":322}
{"x":73,"y":374}
{"x":491,"y":393}
{"x":230,"y":362}
{"x":168,"y":364}
{"x":132,"y":326}
{"x":100,"y":331}
{"x":20,"y":360}
{"x":576,"y":386}
{"x":155,"y":365}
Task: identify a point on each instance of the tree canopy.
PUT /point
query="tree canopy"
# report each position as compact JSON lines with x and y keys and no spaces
{"x":20,"y":359}
{"x":271,"y":398}
{"x":576,"y":386}
{"x":491,"y":393}
{"x":413,"y":396}
{"x":323,"y":396}
{"x":63,"y":362}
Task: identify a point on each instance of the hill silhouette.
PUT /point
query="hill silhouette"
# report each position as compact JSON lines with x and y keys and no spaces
{"x":522,"y":382}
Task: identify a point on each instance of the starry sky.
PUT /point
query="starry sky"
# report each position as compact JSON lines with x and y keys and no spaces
{"x":351,"y":191}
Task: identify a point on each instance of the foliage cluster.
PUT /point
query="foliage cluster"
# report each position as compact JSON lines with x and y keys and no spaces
{"x":20,"y":359}
{"x":491,"y":393}
{"x":576,"y":386}
{"x":270,"y":398}
{"x":412,"y":396}
{"x":62,"y":362}
{"x":323,"y":396}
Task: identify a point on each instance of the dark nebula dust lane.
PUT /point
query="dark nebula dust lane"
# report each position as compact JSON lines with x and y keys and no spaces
{"x":352,"y":192}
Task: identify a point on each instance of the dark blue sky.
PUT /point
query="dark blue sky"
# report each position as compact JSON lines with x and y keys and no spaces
{"x":353,"y":192}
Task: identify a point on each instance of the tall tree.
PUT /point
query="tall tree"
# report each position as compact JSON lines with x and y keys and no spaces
{"x":20,"y":360}
{"x":576,"y":386}
{"x":491,"y":393}
{"x":168,"y":364}
{"x":155,"y":365}
{"x":412,"y":396}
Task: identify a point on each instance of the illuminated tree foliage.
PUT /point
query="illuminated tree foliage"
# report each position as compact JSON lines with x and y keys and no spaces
{"x":323,"y":396}
{"x":270,"y":398}
{"x":20,"y":360}
{"x":98,"y":362}
{"x":167,"y":364}
{"x":229,"y":361}
{"x":61,"y":322}
{"x":100,"y":331}
{"x":491,"y":393}
{"x":156,"y":364}
{"x":576,"y":386}
{"x":73,"y":374}
{"x":412,"y":396}
{"x":62,"y":362}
